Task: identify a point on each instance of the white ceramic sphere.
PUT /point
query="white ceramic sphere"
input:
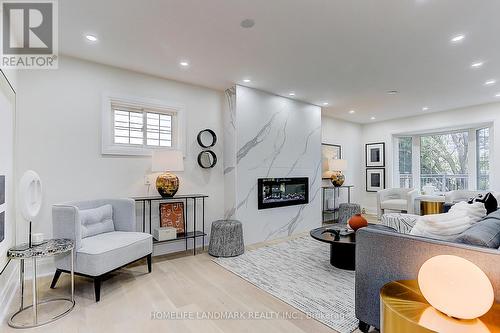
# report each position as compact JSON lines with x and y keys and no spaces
{"x":456,"y":287}
{"x":30,"y":195}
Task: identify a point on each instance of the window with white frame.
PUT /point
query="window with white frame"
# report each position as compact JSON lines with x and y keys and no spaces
{"x":136,"y":127}
{"x":452,"y":160}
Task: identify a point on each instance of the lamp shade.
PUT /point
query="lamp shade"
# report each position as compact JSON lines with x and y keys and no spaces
{"x":167,"y":160}
{"x":456,"y":287}
{"x":338,"y":165}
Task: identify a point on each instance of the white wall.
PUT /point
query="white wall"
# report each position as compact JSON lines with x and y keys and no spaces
{"x":349,"y":135}
{"x":59,"y":124}
{"x":468,"y":116}
{"x":271,"y":136}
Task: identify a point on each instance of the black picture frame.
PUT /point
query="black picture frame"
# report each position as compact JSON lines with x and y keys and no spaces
{"x":322,"y":156}
{"x":382,"y":180}
{"x":381,"y":163}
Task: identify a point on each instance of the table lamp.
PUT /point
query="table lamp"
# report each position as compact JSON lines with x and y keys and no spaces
{"x":30,"y":198}
{"x":337,"y":177}
{"x":456,"y":287}
{"x":167,"y":161}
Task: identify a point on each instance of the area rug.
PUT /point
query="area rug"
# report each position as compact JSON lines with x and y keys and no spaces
{"x":299,"y":273}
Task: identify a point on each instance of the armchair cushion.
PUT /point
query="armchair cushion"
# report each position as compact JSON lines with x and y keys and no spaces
{"x":97,"y":220}
{"x":106,"y":252}
{"x":395,"y":204}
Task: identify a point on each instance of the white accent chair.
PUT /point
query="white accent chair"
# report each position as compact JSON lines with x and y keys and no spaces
{"x":396,"y":199}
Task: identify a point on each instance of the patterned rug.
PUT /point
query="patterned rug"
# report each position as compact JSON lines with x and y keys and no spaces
{"x":299,"y":273}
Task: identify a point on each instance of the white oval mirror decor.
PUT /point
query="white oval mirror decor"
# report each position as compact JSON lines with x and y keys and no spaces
{"x":456,"y":287}
{"x":30,"y":195}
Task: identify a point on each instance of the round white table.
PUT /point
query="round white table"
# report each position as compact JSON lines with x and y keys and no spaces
{"x":23,"y":252}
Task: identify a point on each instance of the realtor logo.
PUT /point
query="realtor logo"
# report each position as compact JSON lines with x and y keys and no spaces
{"x":29,"y":35}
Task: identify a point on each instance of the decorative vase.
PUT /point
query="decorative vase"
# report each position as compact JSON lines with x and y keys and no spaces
{"x":337,"y":178}
{"x":167,"y":184}
{"x":357,"y":221}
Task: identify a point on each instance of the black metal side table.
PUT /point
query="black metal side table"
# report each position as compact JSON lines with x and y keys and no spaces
{"x":23,"y":252}
{"x":194,"y":235}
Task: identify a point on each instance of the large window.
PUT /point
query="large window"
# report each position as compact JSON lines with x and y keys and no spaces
{"x":483,"y":158}
{"x":443,"y":161}
{"x":456,"y":160}
{"x":405,"y":162}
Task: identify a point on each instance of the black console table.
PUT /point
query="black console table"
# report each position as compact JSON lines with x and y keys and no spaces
{"x":336,"y":194}
{"x":147,"y":200}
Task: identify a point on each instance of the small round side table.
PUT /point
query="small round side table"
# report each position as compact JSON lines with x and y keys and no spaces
{"x":23,"y":252}
{"x":404,"y":309}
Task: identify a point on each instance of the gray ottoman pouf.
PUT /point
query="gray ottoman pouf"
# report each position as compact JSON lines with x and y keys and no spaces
{"x":348,"y":210}
{"x":226,"y":239}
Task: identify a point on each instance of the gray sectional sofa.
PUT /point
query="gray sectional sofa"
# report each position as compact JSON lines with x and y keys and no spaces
{"x":384,"y":255}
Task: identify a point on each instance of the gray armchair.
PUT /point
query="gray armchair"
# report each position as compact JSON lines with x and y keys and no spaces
{"x":384,"y":255}
{"x":104,"y":232}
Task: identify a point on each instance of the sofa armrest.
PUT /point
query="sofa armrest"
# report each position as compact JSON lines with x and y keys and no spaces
{"x":382,"y":257}
{"x":66,"y":223}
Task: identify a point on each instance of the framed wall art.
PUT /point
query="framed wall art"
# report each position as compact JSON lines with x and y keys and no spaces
{"x":375,"y":155}
{"x":375,"y":180}
{"x":172,"y":215}
{"x":329,"y":152}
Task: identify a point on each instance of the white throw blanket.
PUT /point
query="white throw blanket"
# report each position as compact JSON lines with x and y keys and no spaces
{"x":448,"y":226}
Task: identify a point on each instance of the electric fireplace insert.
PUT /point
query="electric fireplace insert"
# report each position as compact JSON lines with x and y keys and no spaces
{"x":280,"y":192}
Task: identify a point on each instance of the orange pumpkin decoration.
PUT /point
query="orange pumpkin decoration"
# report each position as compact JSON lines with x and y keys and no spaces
{"x":357,"y":221}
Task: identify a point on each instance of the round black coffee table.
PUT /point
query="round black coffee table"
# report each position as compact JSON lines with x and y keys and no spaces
{"x":342,"y":248}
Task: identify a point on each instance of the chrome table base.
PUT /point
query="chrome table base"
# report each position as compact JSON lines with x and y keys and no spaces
{"x":34,"y":306}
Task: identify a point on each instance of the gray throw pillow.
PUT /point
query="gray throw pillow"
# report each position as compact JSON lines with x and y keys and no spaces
{"x":484,"y":233}
{"x":96,"y":221}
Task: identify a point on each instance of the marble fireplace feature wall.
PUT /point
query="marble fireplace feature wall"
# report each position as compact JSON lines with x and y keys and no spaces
{"x":270,"y":136}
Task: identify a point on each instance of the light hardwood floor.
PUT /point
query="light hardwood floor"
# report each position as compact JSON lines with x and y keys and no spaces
{"x":179,"y":283}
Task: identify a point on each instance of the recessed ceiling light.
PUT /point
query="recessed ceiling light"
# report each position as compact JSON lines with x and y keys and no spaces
{"x":247,"y":80}
{"x":373,"y":118}
{"x":490,"y":82}
{"x":457,"y":38}
{"x":248,"y":23}
{"x":352,"y":112}
{"x":497,"y":95}
{"x":291,"y":94}
{"x":392,"y":92}
{"x":91,"y":38}
{"x":325,"y":103}
{"x":477,"y":64}
{"x":184,"y":63}
{"x":425,"y":108}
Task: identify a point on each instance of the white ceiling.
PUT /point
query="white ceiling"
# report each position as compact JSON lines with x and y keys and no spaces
{"x":345,"y":52}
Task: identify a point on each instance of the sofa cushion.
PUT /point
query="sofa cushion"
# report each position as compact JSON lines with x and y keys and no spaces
{"x":484,"y":233}
{"x":394,"y":204}
{"x":96,"y":220}
{"x":105,"y":252}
